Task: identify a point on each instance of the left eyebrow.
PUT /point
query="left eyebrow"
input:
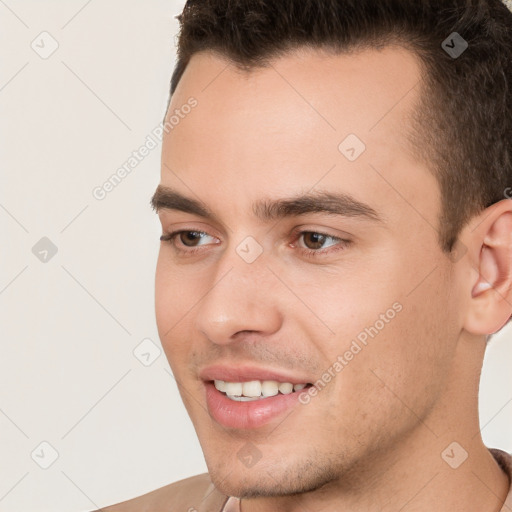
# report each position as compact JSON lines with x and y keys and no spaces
{"x":318,"y":202}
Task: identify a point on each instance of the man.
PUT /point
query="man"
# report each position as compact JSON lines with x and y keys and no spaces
{"x":336,"y":251}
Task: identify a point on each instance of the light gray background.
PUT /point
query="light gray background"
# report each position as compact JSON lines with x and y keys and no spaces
{"x":70,"y":325}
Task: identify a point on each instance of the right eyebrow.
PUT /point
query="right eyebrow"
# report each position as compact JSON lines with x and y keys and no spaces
{"x":166,"y":198}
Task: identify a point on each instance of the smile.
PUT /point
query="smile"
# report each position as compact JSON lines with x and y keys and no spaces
{"x":231,"y":408}
{"x":256,"y":389}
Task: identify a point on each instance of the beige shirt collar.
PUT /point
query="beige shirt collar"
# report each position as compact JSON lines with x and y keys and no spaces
{"x":232,"y":505}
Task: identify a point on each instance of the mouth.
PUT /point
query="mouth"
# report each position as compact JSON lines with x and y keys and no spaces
{"x":250,"y":398}
{"x":252,"y":390}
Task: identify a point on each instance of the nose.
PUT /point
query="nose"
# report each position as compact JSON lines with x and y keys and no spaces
{"x":241,"y":299}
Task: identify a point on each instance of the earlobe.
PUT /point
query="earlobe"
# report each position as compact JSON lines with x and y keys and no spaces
{"x":491,"y":292}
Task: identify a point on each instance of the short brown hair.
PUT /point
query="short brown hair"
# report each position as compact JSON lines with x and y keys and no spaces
{"x":463,"y":126}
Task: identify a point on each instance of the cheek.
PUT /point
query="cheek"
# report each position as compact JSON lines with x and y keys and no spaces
{"x":177,"y":290}
{"x":173,"y":305}
{"x":390,"y":343}
{"x":337,"y":305}
{"x":402,"y":368}
{"x":165,"y":303}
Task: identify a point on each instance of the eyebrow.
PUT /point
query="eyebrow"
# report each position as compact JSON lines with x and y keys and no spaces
{"x":166,"y":198}
{"x":341,"y":204}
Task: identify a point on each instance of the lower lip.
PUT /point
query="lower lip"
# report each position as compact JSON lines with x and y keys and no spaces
{"x":247,"y":415}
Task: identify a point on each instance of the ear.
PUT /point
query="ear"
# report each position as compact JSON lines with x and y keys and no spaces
{"x":490,"y":247}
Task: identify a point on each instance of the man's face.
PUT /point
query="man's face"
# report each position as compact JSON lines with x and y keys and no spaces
{"x":265,"y":284}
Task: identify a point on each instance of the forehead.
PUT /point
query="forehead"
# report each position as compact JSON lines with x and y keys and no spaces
{"x":297,"y":124}
{"x":359,"y":91}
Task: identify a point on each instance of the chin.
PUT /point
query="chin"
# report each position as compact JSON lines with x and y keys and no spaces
{"x":272,"y":481}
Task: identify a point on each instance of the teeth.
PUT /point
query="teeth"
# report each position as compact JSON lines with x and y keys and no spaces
{"x":220,"y":385}
{"x":285,"y":388}
{"x":255,"y":389}
{"x":269,"y":388}
{"x":243,"y":398}
{"x":233,"y":388}
{"x":252,"y":388}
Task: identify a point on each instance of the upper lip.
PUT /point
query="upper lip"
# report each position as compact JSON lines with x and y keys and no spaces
{"x":245,"y":373}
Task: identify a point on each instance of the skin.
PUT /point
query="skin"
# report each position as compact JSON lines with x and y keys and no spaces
{"x":372,"y":439}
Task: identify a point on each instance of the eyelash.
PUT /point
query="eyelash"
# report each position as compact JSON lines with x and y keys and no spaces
{"x":341,"y":244}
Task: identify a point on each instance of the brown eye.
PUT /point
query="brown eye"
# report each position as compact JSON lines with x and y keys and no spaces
{"x":314,"y":240}
{"x":191,"y":238}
